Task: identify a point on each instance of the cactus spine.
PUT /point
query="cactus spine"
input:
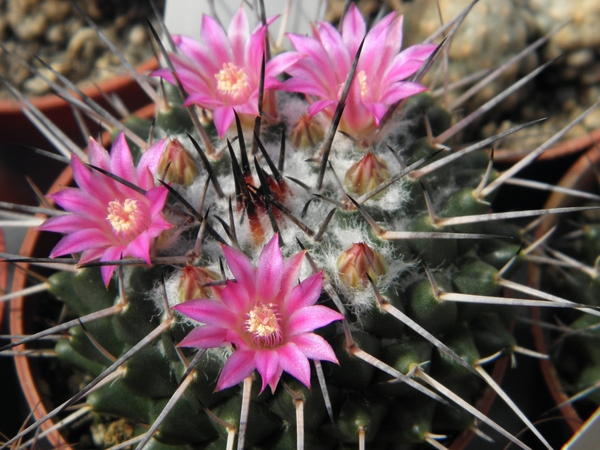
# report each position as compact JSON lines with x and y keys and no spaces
{"x":395,"y":224}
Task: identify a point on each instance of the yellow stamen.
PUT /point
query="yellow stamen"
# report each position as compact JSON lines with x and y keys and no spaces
{"x":264,"y":324}
{"x":362,"y":81}
{"x":232,"y":82}
{"x":121,"y":216}
{"x":127,"y":219}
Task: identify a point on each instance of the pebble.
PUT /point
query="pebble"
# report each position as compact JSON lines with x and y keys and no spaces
{"x":3,"y":28}
{"x":31,"y":27}
{"x":57,"y":34}
{"x":580,"y":58}
{"x":54,"y":31}
{"x":592,"y":120}
{"x":83,"y":43}
{"x":56,"y":10}
{"x":591,"y":75}
{"x":492,"y":32}
{"x":137,"y":35}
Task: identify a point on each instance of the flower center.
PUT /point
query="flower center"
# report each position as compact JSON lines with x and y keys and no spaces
{"x":361,"y":77}
{"x":232,"y":83}
{"x":263,"y":323}
{"x":128,"y":219}
{"x":362,"y":81}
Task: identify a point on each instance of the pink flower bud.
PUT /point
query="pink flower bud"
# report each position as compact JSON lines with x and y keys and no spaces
{"x":177,"y":165}
{"x":366,"y":174}
{"x":356,"y":262}
{"x":193,"y":283}
{"x":306,"y":133}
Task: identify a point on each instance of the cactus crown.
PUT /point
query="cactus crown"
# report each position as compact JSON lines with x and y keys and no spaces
{"x":358,"y":274}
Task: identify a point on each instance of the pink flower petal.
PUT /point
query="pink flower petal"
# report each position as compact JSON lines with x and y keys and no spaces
{"x":269,"y":271}
{"x":337,"y":51}
{"x":121,"y":162}
{"x":275,"y":379}
{"x":207,"y":336}
{"x":353,"y":29}
{"x":293,"y":361}
{"x":223,"y":118}
{"x":314,"y":346}
{"x":305,"y":86}
{"x":156,"y":198}
{"x":91,"y":255}
{"x":304,"y":294}
{"x":401,"y":90}
{"x":79,"y":241}
{"x":98,"y":155}
{"x":241,"y":267}
{"x":235,"y":296}
{"x":140,"y":247}
{"x":291,"y":272}
{"x":377,"y":46}
{"x":67,"y":224}
{"x":87,"y":181}
{"x":203,"y":100}
{"x":238,"y":33}
{"x":319,"y":106}
{"x":267,"y":364}
{"x":239,"y":366}
{"x":197,"y":54}
{"x":389,"y":32}
{"x":148,"y":164}
{"x":254,"y":52}
{"x":311,"y":318}
{"x":111,"y":254}
{"x":213,"y":37}
{"x":317,"y":62}
{"x":378,"y":110}
{"x":281,"y":63}
{"x":211,"y":312}
{"x":79,"y":202}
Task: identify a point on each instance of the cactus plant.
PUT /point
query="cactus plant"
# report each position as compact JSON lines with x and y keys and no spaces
{"x":569,"y":268}
{"x":189,"y":241}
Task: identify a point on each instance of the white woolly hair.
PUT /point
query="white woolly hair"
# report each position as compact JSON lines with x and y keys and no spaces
{"x":343,"y":230}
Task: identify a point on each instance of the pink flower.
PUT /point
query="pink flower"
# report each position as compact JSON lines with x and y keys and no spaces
{"x":109,"y":220}
{"x":223,"y":73}
{"x":267,"y":317}
{"x":378,"y":79}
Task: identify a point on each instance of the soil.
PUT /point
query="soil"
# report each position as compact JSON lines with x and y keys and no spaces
{"x":55,"y":32}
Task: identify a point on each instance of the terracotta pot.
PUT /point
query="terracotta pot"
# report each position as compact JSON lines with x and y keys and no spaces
{"x":19,"y":325}
{"x":581,"y":176}
{"x":16,"y":128}
{"x":484,"y":404}
{"x":19,"y":320}
{"x":562,"y":149}
{"x":3,"y":282}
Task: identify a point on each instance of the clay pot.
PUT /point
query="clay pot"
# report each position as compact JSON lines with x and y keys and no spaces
{"x":34,"y":245}
{"x":581,"y":176}
{"x":20,"y":324}
{"x":15,"y":128}
{"x":562,"y":149}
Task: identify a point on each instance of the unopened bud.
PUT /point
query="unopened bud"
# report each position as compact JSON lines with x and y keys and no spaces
{"x":178,"y":164}
{"x":356,"y":262}
{"x":306,"y":133}
{"x":366,"y":174}
{"x":193,"y":283}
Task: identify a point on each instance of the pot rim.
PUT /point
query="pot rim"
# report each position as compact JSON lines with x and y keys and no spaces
{"x":49,"y":102}
{"x":579,"y":176}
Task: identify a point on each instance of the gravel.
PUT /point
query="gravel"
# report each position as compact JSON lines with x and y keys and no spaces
{"x":55,"y":32}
